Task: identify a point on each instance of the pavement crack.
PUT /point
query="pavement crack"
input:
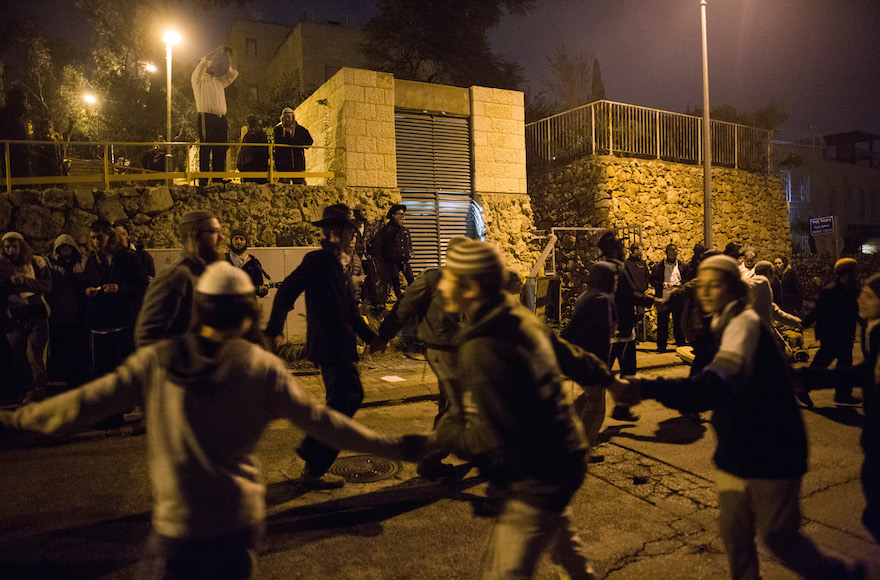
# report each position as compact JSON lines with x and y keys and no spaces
{"x":684,"y":532}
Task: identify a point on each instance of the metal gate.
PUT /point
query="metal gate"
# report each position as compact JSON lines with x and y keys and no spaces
{"x":434,"y":177}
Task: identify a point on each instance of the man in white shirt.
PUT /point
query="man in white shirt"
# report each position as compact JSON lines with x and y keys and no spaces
{"x":212,"y":75}
{"x":747,"y":268}
{"x":667,"y":278}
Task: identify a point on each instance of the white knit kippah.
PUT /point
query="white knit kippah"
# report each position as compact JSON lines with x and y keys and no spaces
{"x":472,"y":257}
{"x":720,"y":262}
{"x":224,"y":279}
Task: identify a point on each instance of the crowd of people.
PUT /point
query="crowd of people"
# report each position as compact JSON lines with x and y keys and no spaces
{"x":210,"y":78}
{"x":185,"y":345}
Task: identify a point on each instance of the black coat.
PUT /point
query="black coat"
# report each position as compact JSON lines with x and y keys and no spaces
{"x":120,"y":309}
{"x":332,"y":318}
{"x":592,"y":323}
{"x":392,"y":244}
{"x":758,"y":426}
{"x":254,"y":158}
{"x":835,"y":315}
{"x":658,"y":273}
{"x":626,"y":298}
{"x":291,"y":158}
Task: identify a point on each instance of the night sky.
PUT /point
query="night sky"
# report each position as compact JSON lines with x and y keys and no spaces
{"x":819,"y":58}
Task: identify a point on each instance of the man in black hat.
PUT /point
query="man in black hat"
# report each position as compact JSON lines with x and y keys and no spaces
{"x":392,"y":247}
{"x":333,"y":324}
{"x":239,"y":257}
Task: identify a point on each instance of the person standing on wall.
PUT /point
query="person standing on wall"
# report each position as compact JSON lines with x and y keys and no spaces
{"x":289,"y":132}
{"x":254,"y":157}
{"x":212,"y":75}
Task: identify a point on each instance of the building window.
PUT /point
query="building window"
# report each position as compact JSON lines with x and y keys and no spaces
{"x":250,"y":46}
{"x":785,"y":177}
{"x":803,"y":193}
{"x":253,"y":94}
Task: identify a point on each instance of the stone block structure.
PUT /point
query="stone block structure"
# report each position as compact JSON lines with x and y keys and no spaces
{"x":351,"y":117}
{"x":666,"y":199}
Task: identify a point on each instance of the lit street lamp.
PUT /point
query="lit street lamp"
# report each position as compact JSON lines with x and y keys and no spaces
{"x":90,"y":98}
{"x":170,"y":38}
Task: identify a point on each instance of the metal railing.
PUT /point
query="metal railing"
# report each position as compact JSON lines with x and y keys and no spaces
{"x":103,"y":162}
{"x":609,"y":128}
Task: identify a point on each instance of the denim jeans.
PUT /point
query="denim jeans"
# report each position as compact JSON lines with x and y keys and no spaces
{"x":523,"y":532}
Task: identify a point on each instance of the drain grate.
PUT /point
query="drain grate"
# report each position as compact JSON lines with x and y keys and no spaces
{"x":365,"y":468}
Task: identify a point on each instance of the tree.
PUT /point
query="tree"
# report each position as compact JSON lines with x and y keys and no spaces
{"x":571,"y":78}
{"x":54,"y":81}
{"x":575,"y":79}
{"x":442,"y":41}
{"x":597,"y":91}
{"x":768,"y":117}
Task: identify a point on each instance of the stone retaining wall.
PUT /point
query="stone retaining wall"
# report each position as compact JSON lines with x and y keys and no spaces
{"x":275,"y":215}
{"x":666,"y":199}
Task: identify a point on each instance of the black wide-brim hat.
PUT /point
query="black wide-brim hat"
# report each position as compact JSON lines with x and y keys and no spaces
{"x":394,"y":208}
{"x":335,"y":216}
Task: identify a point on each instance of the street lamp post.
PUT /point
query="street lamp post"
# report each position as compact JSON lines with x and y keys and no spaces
{"x":171,"y":38}
{"x":707,"y":139}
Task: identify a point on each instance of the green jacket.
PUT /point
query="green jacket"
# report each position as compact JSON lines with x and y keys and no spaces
{"x":516,"y":425}
{"x":423,"y":301}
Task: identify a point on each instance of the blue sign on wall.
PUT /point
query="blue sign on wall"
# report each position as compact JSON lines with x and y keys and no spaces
{"x":822,"y":225}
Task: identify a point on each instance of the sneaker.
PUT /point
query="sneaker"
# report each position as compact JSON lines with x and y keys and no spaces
{"x":326,"y":481}
{"x":847,"y":400}
{"x":804,"y":398}
{"x":624,"y":414}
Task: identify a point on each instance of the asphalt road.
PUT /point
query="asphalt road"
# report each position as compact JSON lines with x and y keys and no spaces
{"x":82,"y":510}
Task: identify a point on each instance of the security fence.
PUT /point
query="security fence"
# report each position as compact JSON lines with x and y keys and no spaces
{"x":105,"y":163}
{"x":609,"y":128}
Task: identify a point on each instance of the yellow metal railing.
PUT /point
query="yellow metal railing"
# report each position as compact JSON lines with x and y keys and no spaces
{"x":112,"y":172}
{"x":606,"y":127}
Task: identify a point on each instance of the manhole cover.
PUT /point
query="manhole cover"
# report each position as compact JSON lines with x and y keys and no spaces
{"x":365,"y":468}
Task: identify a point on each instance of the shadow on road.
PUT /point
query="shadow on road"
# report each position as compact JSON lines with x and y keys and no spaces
{"x":362,"y":515}
{"x":677,"y":430}
{"x":849,"y":416}
{"x":95,"y":550}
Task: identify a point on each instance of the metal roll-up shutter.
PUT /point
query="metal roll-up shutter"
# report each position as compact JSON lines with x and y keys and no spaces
{"x":434,"y":177}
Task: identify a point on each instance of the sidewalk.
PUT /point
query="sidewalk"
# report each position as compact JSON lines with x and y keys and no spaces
{"x":390,"y":379}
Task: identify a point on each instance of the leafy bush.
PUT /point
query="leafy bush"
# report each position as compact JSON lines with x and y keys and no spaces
{"x":817,"y":270}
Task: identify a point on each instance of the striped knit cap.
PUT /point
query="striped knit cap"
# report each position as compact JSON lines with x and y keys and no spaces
{"x":720,"y":262}
{"x":474,"y":258}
